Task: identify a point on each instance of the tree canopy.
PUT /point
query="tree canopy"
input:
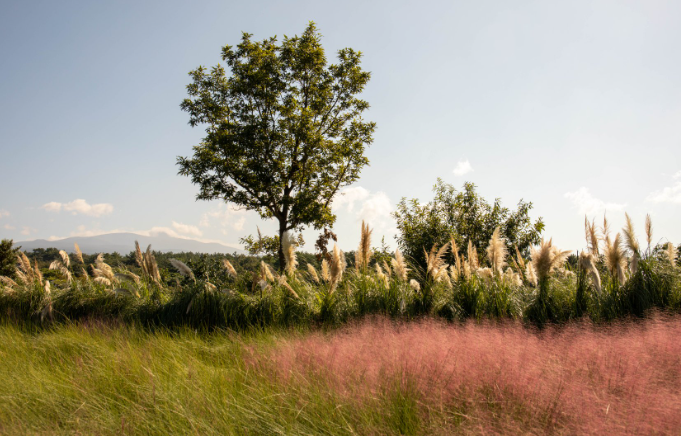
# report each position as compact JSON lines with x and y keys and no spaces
{"x":284,"y":131}
{"x":464,"y":216}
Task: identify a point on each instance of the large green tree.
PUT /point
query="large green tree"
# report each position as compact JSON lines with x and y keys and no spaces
{"x":8,"y":258}
{"x":284,"y":130}
{"x":465,"y":216}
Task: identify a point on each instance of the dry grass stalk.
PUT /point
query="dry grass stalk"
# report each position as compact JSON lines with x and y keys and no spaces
{"x":336,"y":267}
{"x":326,"y":273}
{"x":632,"y":243}
{"x":485,"y":274}
{"x":284,"y":283}
{"x":614,"y":258}
{"x":289,"y":248}
{"x":182,"y":268}
{"x":25,"y":267}
{"x":547,"y":258}
{"x":415,"y":285}
{"x":79,"y":254}
{"x":519,"y":259}
{"x":649,"y":230}
{"x":131,"y":277}
{"x":387,"y":269}
{"x":103,"y":269}
{"x":671,"y":254}
{"x":467,"y":270}
{"x":436,"y":267}
{"x":265,"y":272}
{"x":150,"y":265}
{"x":472,"y":256}
{"x":229,"y":268}
{"x":139,"y":258}
{"x":38,"y":274}
{"x":400,"y":266}
{"x":454,"y":273}
{"x":65,"y":258}
{"x":591,"y":236}
{"x":8,"y":282}
{"x":363,"y":255}
{"x":313,"y":273}
{"x":497,"y":252}
{"x":586,"y":262}
{"x":102,"y":281}
{"x":531,"y":274}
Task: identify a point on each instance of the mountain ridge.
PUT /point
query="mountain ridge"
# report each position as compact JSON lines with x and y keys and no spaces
{"x":125,"y":242}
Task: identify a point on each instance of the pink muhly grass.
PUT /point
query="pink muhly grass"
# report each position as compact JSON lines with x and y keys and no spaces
{"x":625,"y":378}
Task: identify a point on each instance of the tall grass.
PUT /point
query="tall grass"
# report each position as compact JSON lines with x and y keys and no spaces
{"x":613,"y":278}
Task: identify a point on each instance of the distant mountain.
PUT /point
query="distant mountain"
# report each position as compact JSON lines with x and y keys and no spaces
{"x":124,"y":243}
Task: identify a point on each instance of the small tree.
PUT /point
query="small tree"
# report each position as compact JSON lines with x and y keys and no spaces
{"x":464,"y":216}
{"x":284,"y":131}
{"x":8,"y":258}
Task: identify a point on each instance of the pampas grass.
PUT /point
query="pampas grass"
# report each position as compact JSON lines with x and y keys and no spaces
{"x":313,"y":273}
{"x":289,"y":248}
{"x":615,"y":258}
{"x":671,"y":254}
{"x":363,"y":254}
{"x":591,"y":236}
{"x":227,"y":265}
{"x":631,"y":243}
{"x":497,"y":252}
{"x":586,"y":262}
{"x":547,"y":258}
{"x":183,"y":269}
{"x":436,"y":267}
{"x":400,"y":266}
{"x":649,"y":230}
{"x":79,"y":254}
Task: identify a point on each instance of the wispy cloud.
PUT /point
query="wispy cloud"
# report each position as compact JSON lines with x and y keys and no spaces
{"x":374,"y":208}
{"x":9,"y":227}
{"x":79,"y":206}
{"x":462,"y":167}
{"x":226,"y":216}
{"x":587,"y":204}
{"x":26,"y":230}
{"x":3,"y":213}
{"x":669,"y":194}
{"x":186,"y":229}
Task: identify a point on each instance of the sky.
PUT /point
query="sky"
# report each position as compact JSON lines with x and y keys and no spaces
{"x":574,"y":106}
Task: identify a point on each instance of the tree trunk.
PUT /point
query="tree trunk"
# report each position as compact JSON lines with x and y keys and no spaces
{"x":282,"y":259}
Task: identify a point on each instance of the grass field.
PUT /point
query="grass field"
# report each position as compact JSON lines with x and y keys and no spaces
{"x":375,"y":377}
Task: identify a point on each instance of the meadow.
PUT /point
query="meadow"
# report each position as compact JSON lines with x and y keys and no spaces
{"x":377,"y":376}
{"x":363,"y":343}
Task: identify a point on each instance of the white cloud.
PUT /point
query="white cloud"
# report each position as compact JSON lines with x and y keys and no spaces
{"x":227,"y":216}
{"x":79,"y":206}
{"x":669,"y":194}
{"x":186,"y":229}
{"x":462,"y":167}
{"x":9,"y":227}
{"x":25,"y":230}
{"x":587,"y":204}
{"x":3,"y":213}
{"x":374,"y":208}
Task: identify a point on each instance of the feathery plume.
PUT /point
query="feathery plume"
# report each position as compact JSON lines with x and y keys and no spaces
{"x":382,"y":277}
{"x":363,"y":255}
{"x":102,"y":281}
{"x":586,"y":262}
{"x":485,"y":274}
{"x":289,"y":248}
{"x":313,"y":273}
{"x":591,"y":237}
{"x":65,"y":258}
{"x":519,"y":259}
{"x":326,"y":273}
{"x":387,"y":269}
{"x":25,"y":266}
{"x":614,"y":258}
{"x":671,"y":254}
{"x":467,"y":270}
{"x":284,"y":283}
{"x":631,"y":243}
{"x":472,"y":256}
{"x":454,"y":273}
{"x":7,"y":281}
{"x":415,"y":285}
{"x":38,"y":274}
{"x":649,"y":230}
{"x":497,"y":251}
{"x":531,"y":274}
{"x":336,"y":267}
{"x":48,"y":291}
{"x":182,"y":268}
{"x":400,"y":266}
{"x":79,"y":254}
{"x":546,"y":258}
{"x":139,"y":258}
{"x":131,"y":277}
{"x":436,"y":267}
{"x":266,"y":272}
{"x":229,"y":268}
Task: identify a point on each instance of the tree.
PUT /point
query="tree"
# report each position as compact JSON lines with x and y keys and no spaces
{"x":8,"y":258}
{"x":464,"y":216}
{"x":284,"y":131}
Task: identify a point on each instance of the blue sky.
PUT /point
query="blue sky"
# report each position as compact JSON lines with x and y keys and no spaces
{"x":574,"y":106}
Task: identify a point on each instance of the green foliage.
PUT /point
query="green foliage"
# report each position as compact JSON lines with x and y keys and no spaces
{"x":284,"y":130}
{"x":8,"y":258}
{"x":464,"y":216}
